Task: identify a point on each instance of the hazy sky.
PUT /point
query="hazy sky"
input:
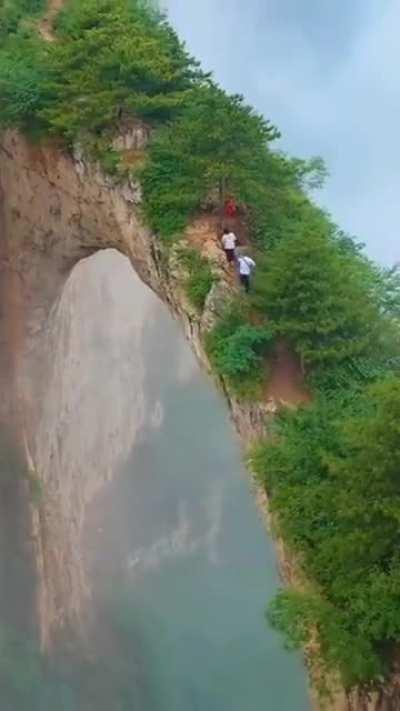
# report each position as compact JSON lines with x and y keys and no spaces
{"x":326,"y":72}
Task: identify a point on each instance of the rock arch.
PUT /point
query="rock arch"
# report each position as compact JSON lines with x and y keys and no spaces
{"x":55,"y":210}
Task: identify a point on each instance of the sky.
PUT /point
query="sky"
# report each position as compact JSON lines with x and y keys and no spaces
{"x":327,"y":74}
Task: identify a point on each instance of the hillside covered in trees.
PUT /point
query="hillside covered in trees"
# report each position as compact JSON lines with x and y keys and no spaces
{"x":332,"y":467}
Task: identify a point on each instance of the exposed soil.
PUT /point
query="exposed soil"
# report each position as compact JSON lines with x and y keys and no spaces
{"x":133,"y":158}
{"x":285,"y":382}
{"x":204,"y":235}
{"x":46,"y":25}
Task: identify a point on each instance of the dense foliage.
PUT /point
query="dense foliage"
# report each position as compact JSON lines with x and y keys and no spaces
{"x":200,"y":277}
{"x":217,"y":144}
{"x":12,"y":11}
{"x":335,"y":487}
{"x":331,"y":468}
{"x":237,"y":349}
{"x":112,"y":56}
{"x":318,"y":297}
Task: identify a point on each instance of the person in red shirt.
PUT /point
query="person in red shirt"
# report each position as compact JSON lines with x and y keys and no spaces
{"x":231,"y":208}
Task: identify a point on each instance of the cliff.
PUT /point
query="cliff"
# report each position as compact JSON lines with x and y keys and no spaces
{"x":315,"y":289}
{"x":56,"y":210}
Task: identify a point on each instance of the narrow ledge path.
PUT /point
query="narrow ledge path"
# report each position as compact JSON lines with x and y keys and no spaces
{"x":46,"y":24}
{"x":285,"y":385}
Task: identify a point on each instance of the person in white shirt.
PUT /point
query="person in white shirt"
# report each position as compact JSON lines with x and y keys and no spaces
{"x":229,"y":240}
{"x":246,"y":266}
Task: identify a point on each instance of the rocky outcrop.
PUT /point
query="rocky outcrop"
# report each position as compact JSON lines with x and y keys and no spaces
{"x":92,"y":411}
{"x":56,"y":209}
{"x":54,"y":212}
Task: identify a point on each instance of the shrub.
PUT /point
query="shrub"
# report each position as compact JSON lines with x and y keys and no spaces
{"x":12,"y":11}
{"x":332,"y":471}
{"x":353,"y":373}
{"x":200,"y":277}
{"x":237,"y":350}
{"x":113,"y":56}
{"x":23,"y":77}
{"x":216,"y":143}
{"x":298,"y":615}
{"x":318,"y":297}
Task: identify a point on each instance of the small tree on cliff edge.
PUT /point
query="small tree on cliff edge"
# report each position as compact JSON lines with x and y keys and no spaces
{"x":317,"y":297}
{"x":217,"y":143}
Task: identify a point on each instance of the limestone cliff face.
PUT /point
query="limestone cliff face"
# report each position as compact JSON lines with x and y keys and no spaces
{"x":55,"y":210}
{"x":92,"y":411}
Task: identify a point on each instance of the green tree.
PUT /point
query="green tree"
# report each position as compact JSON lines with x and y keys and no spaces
{"x":113,"y":56}
{"x":12,"y":11}
{"x":23,"y":77}
{"x":332,"y":471}
{"x":218,"y":144}
{"x":317,"y":297}
{"x":238,"y":349}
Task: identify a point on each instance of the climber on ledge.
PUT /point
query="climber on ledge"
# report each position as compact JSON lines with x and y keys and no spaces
{"x":230,"y":208}
{"x":246,"y":266}
{"x":229,"y":241}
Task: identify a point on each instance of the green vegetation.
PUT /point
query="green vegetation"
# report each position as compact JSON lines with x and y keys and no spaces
{"x":237,"y":350}
{"x":330,"y":468}
{"x":112,"y":56}
{"x":318,"y":297}
{"x":200,"y":277}
{"x":13,"y":11}
{"x":332,"y":471}
{"x":216,"y":144}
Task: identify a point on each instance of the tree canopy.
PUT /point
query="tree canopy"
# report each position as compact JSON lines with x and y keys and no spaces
{"x":335,"y":485}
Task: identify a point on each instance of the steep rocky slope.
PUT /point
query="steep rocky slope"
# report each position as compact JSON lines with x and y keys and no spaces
{"x":56,"y":210}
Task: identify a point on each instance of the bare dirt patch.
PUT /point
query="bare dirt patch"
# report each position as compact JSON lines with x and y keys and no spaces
{"x":46,"y":25}
{"x":286,"y":382}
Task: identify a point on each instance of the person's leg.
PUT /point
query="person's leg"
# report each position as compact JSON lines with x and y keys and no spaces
{"x":245,"y":281}
{"x":230,"y":255}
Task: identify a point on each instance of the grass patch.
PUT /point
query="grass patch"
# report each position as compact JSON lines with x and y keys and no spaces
{"x":237,"y":350}
{"x":200,"y":277}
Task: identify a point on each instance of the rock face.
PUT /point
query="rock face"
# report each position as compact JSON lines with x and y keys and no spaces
{"x":55,"y":211}
{"x":91,"y":413}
